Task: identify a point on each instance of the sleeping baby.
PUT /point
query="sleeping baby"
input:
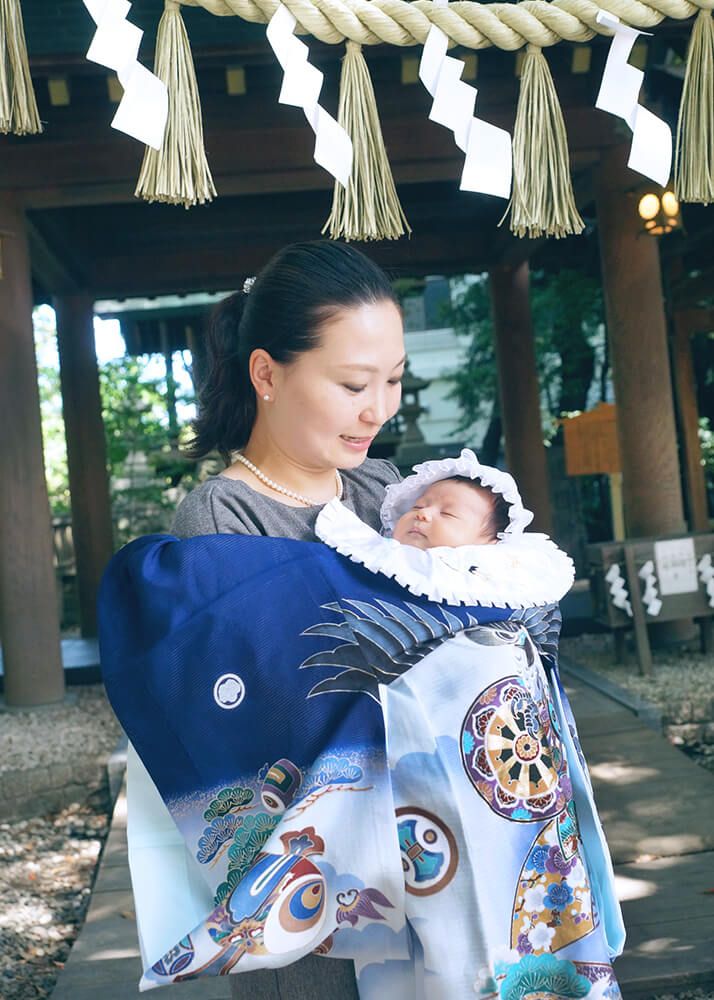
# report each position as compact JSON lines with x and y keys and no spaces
{"x":454,"y":531}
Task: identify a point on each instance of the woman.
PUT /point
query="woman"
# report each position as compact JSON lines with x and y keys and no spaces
{"x":304,"y":371}
{"x":305,"y":367}
{"x":314,"y":353}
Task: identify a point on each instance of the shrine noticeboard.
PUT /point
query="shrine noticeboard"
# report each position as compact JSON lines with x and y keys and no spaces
{"x":591,"y":444}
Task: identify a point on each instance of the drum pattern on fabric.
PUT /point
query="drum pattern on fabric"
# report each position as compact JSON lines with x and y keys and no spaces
{"x":487,"y":926}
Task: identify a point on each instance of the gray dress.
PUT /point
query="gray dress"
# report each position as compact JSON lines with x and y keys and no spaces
{"x":229,"y":506}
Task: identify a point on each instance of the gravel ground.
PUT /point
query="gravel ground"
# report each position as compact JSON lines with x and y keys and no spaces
{"x":83,"y":726}
{"x":681,"y":674}
{"x":46,"y":871}
{"x":47,"y":863}
{"x":678,"y":673}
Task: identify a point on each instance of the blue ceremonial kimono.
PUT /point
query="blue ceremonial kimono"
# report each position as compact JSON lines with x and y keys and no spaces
{"x":359,"y":772}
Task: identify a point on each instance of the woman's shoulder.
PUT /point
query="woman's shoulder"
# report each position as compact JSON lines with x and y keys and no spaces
{"x":365,"y":488}
{"x":374,"y":472}
{"x":212,"y":507}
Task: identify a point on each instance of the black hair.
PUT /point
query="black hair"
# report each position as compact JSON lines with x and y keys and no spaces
{"x":302,"y":287}
{"x":498,"y":519}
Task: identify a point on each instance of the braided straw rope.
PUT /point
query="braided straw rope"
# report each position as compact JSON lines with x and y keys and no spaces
{"x":466,"y":22}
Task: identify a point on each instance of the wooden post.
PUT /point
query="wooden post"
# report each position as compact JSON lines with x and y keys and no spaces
{"x":518,"y":388}
{"x":640,"y":361}
{"x":642,"y":642}
{"x":29,"y":612}
{"x":686,"y":323}
{"x":617,"y":509}
{"x":86,"y":450}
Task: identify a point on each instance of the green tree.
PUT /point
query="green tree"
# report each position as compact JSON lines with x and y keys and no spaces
{"x":570,"y":347}
{"x":142,"y":462}
{"x":53,"y":440}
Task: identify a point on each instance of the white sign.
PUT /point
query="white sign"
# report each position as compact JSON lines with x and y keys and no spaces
{"x":676,"y":566}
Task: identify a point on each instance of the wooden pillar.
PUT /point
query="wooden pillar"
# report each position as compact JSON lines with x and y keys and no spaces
{"x":86,"y":449}
{"x":519,"y":390}
{"x":640,"y":361}
{"x":29,"y":612}
{"x":686,"y":323}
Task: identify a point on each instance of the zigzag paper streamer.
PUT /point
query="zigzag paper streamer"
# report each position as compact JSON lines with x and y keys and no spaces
{"x":301,"y":88}
{"x":650,"y":598}
{"x":618,"y":589}
{"x":651,"y":152}
{"x":144,"y":108}
{"x":706,"y":575}
{"x":489,"y":162}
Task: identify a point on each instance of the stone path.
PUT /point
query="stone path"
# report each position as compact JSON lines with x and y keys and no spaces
{"x":658,"y":811}
{"x":657,"y":807}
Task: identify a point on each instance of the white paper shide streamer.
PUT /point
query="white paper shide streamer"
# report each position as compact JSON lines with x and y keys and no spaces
{"x":706,"y":575}
{"x":618,"y":589}
{"x":144,"y":108}
{"x":650,"y":597}
{"x":489,"y":162}
{"x":651,"y":152}
{"x":301,"y":88}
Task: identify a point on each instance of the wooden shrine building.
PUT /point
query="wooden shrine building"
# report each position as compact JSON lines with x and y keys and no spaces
{"x":71,"y":232}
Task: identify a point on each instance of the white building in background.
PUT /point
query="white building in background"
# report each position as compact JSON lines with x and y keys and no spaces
{"x":435,"y":352}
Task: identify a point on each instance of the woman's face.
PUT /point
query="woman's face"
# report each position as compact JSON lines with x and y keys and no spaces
{"x":331,"y":401}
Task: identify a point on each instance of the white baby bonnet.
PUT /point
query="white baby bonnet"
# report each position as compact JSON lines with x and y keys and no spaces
{"x":522,"y":570}
{"x":400,"y":497}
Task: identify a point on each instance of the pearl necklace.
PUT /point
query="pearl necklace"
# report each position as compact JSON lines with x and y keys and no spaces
{"x":284,"y":490}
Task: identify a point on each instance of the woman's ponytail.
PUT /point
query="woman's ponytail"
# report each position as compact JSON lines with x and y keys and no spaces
{"x":226,"y":399}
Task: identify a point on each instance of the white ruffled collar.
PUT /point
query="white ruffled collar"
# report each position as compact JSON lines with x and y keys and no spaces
{"x":521,"y":570}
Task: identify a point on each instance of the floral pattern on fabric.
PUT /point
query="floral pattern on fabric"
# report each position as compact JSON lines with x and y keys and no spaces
{"x":553,"y":905}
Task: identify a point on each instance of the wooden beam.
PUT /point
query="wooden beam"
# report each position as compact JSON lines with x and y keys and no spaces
{"x":518,"y":389}
{"x":220,"y":269}
{"x":687,"y":323}
{"x":29,"y":613}
{"x":640,"y":360}
{"x":86,"y":450}
{"x":50,"y":270}
{"x":266,"y":148}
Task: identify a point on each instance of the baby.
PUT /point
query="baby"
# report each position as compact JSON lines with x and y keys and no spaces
{"x":454,"y":531}
{"x":454,"y":511}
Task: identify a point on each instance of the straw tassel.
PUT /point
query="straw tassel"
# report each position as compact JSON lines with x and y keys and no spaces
{"x":18,"y":107}
{"x":368,"y":208}
{"x":694,"y":160}
{"x":178,"y":173}
{"x":542,"y":202}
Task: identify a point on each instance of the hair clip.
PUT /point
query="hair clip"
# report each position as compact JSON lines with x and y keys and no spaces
{"x":248,"y":284}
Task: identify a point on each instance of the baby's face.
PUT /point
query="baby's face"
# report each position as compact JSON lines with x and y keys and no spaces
{"x":447,"y":513}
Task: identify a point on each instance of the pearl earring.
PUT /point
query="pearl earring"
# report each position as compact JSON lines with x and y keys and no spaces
{"x":266,"y":397}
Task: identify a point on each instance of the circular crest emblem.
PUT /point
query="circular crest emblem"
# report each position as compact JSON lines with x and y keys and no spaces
{"x":228,"y":691}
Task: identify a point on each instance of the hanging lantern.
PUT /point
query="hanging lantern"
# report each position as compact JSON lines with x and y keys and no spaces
{"x":659,"y":213}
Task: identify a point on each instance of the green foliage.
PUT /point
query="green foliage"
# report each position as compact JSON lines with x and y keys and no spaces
{"x":144,"y":465}
{"x":706,"y":440}
{"x":567,"y":313}
{"x":53,"y":441}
